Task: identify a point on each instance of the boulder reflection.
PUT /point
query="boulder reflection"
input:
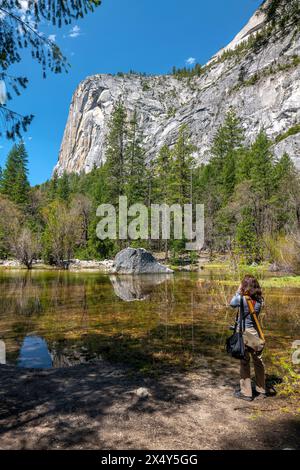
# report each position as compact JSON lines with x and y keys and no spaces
{"x":131,"y":288}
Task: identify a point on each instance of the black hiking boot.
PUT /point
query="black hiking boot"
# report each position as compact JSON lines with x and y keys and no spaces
{"x":239,"y":394}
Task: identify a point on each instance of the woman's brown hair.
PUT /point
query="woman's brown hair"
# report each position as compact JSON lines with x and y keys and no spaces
{"x":250,"y":286}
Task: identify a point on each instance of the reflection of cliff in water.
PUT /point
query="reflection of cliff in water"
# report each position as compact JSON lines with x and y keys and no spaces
{"x":130,"y":288}
{"x":67,"y":356}
{"x":36,"y":353}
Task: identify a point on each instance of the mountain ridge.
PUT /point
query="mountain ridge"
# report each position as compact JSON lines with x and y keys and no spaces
{"x":260,"y":81}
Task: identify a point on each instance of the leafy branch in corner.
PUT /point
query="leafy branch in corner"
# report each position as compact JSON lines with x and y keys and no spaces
{"x":19,"y":30}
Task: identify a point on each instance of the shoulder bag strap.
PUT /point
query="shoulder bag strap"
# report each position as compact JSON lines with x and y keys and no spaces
{"x":253,"y":313}
{"x":242,"y":315}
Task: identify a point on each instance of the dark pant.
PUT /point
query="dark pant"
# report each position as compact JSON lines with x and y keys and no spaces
{"x":259,"y":369}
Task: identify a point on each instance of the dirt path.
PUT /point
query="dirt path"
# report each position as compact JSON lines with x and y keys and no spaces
{"x":96,"y":406}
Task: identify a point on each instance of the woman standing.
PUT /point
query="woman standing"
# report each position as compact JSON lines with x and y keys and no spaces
{"x":249,"y":298}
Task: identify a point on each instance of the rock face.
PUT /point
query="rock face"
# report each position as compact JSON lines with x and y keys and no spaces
{"x":262,"y":84}
{"x":256,"y":22}
{"x":137,"y":261}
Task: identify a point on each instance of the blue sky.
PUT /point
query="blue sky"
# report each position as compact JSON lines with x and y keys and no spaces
{"x":146,"y":36}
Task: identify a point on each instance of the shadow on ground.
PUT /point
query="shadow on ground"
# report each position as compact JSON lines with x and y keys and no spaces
{"x":97,"y":406}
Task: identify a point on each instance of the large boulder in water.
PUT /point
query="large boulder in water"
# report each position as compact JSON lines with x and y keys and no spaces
{"x":137,"y":261}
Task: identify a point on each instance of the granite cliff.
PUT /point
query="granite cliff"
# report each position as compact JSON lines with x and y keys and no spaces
{"x":260,"y":79}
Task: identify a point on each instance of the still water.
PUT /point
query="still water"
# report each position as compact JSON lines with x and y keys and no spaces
{"x":59,"y":319}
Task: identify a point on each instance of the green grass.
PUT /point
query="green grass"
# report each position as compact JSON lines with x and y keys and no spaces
{"x":286,"y":281}
{"x":283,"y":367}
{"x":279,"y":282}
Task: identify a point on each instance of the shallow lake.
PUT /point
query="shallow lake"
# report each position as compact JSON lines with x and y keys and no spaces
{"x":58,"y":319}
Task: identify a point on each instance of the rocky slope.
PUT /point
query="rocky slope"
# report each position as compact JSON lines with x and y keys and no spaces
{"x":262,"y":84}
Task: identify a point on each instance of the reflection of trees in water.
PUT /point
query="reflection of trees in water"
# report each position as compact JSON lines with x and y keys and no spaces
{"x":82,"y":316}
{"x":41,"y":303}
{"x":20,"y":296}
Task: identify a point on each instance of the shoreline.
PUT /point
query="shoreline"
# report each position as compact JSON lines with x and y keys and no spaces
{"x":268,"y":277}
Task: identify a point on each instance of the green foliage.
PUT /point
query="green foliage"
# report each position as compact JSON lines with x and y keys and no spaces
{"x":294,"y":130}
{"x":280,"y":12}
{"x":14,"y":180}
{"x":183,"y":164}
{"x":164,"y":175}
{"x":10,"y":222}
{"x":136,"y":187}
{"x":145,"y":86}
{"x":250,"y":197}
{"x":283,"y":366}
{"x":227,"y":142}
{"x":53,"y":187}
{"x":19,"y":30}
{"x":171,"y":112}
{"x":61,"y":233}
{"x":193,"y":257}
{"x":187,"y":72}
{"x":247,"y":242}
{"x":115,"y":153}
{"x":252,"y":44}
{"x":273,"y":69}
{"x":63,"y":189}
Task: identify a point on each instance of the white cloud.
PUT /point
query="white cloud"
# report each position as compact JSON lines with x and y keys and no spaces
{"x":30,"y":138}
{"x":3,"y":94}
{"x":24,"y":5}
{"x":74,"y":32}
{"x":52,"y":37}
{"x":190,"y":61}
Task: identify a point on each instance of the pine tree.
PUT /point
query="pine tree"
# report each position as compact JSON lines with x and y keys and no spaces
{"x":63,"y":187}
{"x":53,"y":186}
{"x":229,"y":137}
{"x":182,"y":171}
{"x":115,"y":153}
{"x":284,"y":171}
{"x":247,"y":240}
{"x":14,"y":182}
{"x":163,"y":169}
{"x":136,"y":168}
{"x":261,"y":164}
{"x":256,"y":177}
{"x":227,"y":142}
{"x":163,"y":172}
{"x":285,"y":195}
